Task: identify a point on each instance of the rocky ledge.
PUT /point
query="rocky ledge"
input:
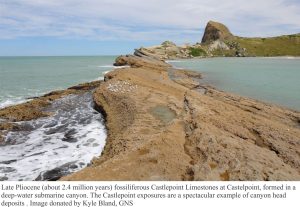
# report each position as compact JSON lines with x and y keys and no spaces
{"x":164,"y":124}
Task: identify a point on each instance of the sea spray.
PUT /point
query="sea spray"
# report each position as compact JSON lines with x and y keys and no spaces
{"x":52,"y":147}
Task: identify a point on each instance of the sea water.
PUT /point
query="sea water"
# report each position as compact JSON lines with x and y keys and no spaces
{"x":48,"y":148}
{"x":25,"y":77}
{"x":275,"y":80}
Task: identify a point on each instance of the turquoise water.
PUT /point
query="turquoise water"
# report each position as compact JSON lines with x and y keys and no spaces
{"x":274,"y":80}
{"x":23,"y":77}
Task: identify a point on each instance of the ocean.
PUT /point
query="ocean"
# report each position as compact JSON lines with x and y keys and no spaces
{"x":25,"y":77}
{"x":274,"y":80}
{"x":64,"y":142}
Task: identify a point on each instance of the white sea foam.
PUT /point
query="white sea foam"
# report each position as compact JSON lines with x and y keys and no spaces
{"x":99,"y":78}
{"x":174,"y":61}
{"x":12,"y":101}
{"x":124,"y":66}
{"x":106,"y":66}
{"x":112,"y":66}
{"x":74,"y":134}
{"x":178,"y":68}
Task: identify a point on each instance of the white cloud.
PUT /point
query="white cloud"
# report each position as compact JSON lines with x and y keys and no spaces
{"x":181,"y":20}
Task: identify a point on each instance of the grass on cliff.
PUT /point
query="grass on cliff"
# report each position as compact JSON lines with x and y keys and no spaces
{"x":196,"y":52}
{"x":274,"y":46}
{"x":223,"y":53}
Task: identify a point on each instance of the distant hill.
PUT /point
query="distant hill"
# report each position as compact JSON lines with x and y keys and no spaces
{"x":219,"y":41}
{"x":271,"y":46}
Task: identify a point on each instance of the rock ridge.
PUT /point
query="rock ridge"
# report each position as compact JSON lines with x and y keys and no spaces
{"x":211,"y":135}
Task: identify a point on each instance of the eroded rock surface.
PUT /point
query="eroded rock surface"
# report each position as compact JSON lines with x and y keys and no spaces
{"x":216,"y":31}
{"x":164,"y":124}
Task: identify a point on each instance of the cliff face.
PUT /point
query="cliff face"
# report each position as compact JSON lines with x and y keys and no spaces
{"x":164,"y":124}
{"x":216,"y":31}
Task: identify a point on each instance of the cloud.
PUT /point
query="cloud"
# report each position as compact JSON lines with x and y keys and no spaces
{"x":181,"y":20}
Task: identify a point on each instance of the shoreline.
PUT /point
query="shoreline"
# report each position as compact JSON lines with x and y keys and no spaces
{"x":216,"y":57}
{"x":164,"y":125}
{"x":237,"y":140}
{"x":17,"y":101}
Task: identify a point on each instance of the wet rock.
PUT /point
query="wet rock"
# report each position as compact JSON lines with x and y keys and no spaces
{"x":56,"y":173}
{"x":7,"y":162}
{"x":36,"y":154}
{"x":7,"y":169}
{"x":3,"y":178}
{"x":86,"y":86}
{"x":51,"y":124}
{"x":85,"y":120}
{"x":69,"y":136}
{"x":57,"y":129}
{"x":91,"y":140}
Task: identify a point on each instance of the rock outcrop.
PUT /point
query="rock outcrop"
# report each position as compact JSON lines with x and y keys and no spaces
{"x":166,"y":51}
{"x":218,"y":41}
{"x":164,"y":124}
{"x":216,"y":31}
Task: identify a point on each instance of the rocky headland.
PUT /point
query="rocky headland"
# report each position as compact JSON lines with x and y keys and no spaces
{"x":218,"y":41}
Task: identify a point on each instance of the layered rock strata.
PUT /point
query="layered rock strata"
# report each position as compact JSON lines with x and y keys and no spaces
{"x":164,"y":124}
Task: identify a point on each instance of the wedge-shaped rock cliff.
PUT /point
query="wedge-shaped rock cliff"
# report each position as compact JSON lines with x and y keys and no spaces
{"x":218,"y":41}
{"x":216,"y":31}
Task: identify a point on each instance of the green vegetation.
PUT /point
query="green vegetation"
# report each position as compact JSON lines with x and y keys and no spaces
{"x":274,"y":46}
{"x":223,"y":53}
{"x":196,"y":52}
{"x":286,"y":45}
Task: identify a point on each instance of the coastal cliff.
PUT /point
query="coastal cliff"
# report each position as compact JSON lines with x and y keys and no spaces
{"x":216,"y":31}
{"x":164,"y":124}
{"x":218,"y":41}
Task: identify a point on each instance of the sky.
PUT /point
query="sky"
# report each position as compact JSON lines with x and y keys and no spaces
{"x":113,"y":27}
